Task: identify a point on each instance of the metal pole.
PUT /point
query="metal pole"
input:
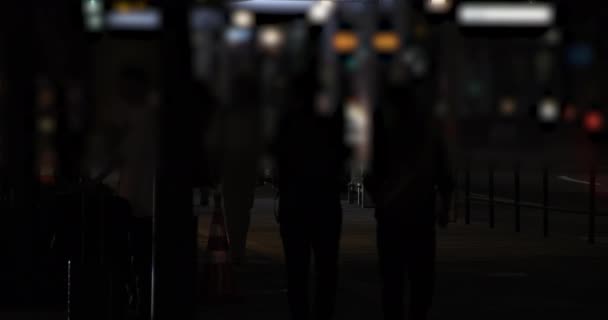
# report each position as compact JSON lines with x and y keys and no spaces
{"x":545,"y":201}
{"x":456,"y":197}
{"x":491,"y":194}
{"x":517,"y":197}
{"x":592,"y":208}
{"x":467,"y":190}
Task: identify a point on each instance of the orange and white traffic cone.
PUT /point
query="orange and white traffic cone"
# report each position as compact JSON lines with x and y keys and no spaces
{"x":218,"y":274}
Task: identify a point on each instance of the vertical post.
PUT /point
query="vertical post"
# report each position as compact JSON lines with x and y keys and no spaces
{"x":19,"y":62}
{"x":174,"y":239}
{"x":545,"y":201}
{"x":491,"y":194}
{"x":362,"y":195}
{"x":456,"y":194}
{"x":358,"y":194}
{"x":592,"y":179}
{"x":517,"y":196}
{"x":467,"y":192}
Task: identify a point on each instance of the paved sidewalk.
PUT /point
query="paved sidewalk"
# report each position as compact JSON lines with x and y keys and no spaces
{"x":482,"y":273}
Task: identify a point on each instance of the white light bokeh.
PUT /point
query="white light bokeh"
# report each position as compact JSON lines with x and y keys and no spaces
{"x":243,"y":18}
{"x":271,"y":37}
{"x":548,"y":110}
{"x":320,"y":12}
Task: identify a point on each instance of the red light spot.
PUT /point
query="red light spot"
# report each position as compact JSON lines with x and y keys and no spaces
{"x":594,"y":121}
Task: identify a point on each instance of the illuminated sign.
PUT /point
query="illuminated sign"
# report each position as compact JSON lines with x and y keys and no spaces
{"x":145,"y":20}
{"x":505,"y":14}
{"x":345,"y":42}
{"x":386,"y":42}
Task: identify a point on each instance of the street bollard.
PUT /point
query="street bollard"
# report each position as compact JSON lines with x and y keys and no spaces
{"x":491,"y":194}
{"x":592,"y":208}
{"x":517,"y":197}
{"x":467,"y":195}
{"x":545,"y":201}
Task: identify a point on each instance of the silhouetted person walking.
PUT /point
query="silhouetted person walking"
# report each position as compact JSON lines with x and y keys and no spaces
{"x":239,"y":139}
{"x":309,"y":155}
{"x":137,"y":162}
{"x":409,"y":167}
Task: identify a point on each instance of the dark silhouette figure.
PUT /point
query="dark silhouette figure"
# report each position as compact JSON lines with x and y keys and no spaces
{"x":136,"y":163}
{"x":409,"y":167}
{"x":309,"y":155}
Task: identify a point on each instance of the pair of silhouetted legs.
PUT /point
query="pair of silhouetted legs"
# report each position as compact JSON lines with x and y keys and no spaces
{"x":307,"y":234}
{"x":406,"y":246}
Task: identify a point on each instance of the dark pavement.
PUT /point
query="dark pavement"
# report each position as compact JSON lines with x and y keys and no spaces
{"x":482,"y":273}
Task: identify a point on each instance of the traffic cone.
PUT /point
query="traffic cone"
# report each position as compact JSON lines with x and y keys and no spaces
{"x":218,"y":274}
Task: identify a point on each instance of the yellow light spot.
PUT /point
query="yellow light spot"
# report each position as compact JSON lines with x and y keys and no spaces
{"x":345,"y":41}
{"x":386,"y":41}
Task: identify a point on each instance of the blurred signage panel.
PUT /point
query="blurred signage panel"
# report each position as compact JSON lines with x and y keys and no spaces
{"x":137,"y":20}
{"x":291,"y":6}
{"x":274,"y":6}
{"x":504,"y":14}
{"x":204,"y":19}
{"x":238,"y":36}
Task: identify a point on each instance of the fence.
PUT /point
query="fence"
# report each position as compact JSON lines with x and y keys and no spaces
{"x":492,"y":201}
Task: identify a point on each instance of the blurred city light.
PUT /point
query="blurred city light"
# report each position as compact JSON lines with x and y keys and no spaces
{"x":273,"y":6}
{"x":237,"y":36}
{"x":386,"y":42}
{"x":93,"y":14}
{"x":505,"y":14}
{"x":548,"y":111}
{"x":320,"y":12}
{"x":357,"y":133}
{"x":243,"y":18}
{"x":91,"y":7}
{"x":145,"y":20}
{"x":593,"y":121}
{"x":271,"y":37}
{"x":345,"y":41}
{"x":438,"y":6}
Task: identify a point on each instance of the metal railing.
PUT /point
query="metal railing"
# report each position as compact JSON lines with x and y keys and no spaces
{"x":469,"y":197}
